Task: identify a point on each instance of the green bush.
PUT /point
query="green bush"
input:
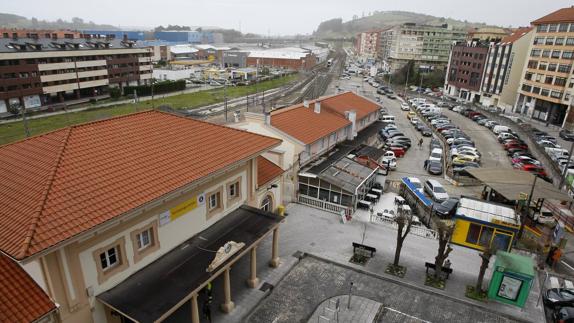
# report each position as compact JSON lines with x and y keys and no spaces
{"x":115,"y":93}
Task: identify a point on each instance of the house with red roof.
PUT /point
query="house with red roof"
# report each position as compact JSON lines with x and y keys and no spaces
{"x":129,"y":218}
{"x":314,"y":129}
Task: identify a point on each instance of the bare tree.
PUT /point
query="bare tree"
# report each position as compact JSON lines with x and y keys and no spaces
{"x":485,"y":256}
{"x":445,"y":230}
{"x":402,"y":219}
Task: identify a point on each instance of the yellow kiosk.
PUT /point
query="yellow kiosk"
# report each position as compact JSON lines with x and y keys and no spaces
{"x":480,"y":224}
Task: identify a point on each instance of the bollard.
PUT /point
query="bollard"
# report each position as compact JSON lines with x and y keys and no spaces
{"x":350,"y":294}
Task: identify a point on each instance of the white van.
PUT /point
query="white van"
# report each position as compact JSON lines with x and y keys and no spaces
{"x":499,"y":129}
{"x":557,"y":152}
{"x":387,"y":118}
{"x":431,"y":110}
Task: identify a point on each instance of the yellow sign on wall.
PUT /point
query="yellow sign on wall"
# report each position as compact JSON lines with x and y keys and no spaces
{"x":181,"y":209}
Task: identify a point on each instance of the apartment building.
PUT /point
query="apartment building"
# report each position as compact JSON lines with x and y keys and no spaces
{"x":465,"y":70}
{"x":546,"y":89}
{"x":40,"y":72}
{"x":368,"y":43}
{"x":128,"y":219}
{"x":14,"y":34}
{"x":427,"y":46}
{"x":313,"y":129}
{"x":504,"y":66}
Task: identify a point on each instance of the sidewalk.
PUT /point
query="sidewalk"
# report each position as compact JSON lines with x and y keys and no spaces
{"x":321,"y":233}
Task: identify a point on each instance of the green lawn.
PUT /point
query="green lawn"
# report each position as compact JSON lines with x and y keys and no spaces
{"x":15,"y":131}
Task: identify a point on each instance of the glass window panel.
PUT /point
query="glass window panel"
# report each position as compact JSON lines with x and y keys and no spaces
{"x":485,"y":236}
{"x":473,"y":233}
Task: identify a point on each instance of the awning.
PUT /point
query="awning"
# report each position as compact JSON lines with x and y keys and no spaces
{"x":149,"y":293}
{"x":346,"y":147}
{"x":347,"y":174}
{"x":510,"y":183}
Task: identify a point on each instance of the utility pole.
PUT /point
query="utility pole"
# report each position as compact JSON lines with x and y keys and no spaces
{"x":406,"y":82}
{"x":25,"y":120}
{"x":225,"y":99}
{"x":527,"y":209}
{"x":563,"y":177}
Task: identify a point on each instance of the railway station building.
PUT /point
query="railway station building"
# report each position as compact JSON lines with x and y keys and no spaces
{"x":150,"y":205}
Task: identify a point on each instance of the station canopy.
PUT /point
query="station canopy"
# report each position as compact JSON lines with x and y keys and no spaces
{"x":510,"y":183}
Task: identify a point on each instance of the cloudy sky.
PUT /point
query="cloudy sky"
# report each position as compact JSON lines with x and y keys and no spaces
{"x":272,"y":16}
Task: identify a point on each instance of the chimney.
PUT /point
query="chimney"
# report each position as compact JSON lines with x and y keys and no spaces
{"x":352,"y":116}
{"x":306,"y":103}
{"x":267,"y":118}
{"x":317,"y":107}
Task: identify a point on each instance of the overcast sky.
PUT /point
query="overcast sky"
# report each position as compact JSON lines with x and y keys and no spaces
{"x":285,"y":17}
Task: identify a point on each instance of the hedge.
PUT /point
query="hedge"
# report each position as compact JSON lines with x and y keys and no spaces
{"x":158,"y":88}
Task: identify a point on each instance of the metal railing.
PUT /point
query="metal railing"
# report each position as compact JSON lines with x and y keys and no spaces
{"x":323,"y":205}
{"x":415,"y":229}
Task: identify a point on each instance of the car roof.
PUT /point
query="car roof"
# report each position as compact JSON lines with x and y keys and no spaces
{"x":434,"y":182}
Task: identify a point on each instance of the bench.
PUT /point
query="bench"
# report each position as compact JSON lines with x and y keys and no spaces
{"x":364,"y":250}
{"x":445,"y":270}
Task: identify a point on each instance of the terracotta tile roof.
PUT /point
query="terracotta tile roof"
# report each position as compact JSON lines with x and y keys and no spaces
{"x":305,"y":125}
{"x":266,"y":171}
{"x":57,"y":185}
{"x":350,"y":101}
{"x":516,"y":35}
{"x":21,"y":299}
{"x":560,"y":15}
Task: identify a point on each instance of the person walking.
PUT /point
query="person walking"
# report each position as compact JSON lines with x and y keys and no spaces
{"x":556,"y":257}
{"x":207,"y":311}
{"x":421,"y":143}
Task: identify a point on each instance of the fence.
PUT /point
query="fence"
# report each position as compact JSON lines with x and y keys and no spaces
{"x":559,"y":214}
{"x":323,"y":205}
{"x":415,"y":229}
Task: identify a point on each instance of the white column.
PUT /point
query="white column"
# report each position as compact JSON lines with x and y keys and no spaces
{"x":275,"y":249}
{"x":253,"y":281}
{"x":228,"y":305}
{"x":194,"y":309}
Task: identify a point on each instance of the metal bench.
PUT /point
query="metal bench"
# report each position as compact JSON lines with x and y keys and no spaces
{"x":445,"y":270}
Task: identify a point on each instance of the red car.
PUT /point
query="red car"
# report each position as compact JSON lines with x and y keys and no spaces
{"x":399,"y":152}
{"x":515,"y":145}
{"x":537,"y":170}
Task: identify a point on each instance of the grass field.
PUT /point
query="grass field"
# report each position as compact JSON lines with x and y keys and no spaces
{"x":15,"y":131}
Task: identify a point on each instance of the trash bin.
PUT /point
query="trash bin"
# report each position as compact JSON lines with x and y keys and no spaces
{"x":281,"y":210}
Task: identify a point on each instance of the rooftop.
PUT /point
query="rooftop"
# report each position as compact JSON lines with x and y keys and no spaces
{"x":266,"y":171}
{"x":21,"y":299}
{"x":486,"y":211}
{"x":29,"y":45}
{"x":60,"y":184}
{"x":560,"y":15}
{"x":516,"y":35}
{"x":307,"y":126}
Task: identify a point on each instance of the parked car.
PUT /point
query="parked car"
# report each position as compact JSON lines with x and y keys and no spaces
{"x":397,"y":151}
{"x":446,"y":209}
{"x":434,"y":143}
{"x":512,"y":151}
{"x":426,"y":132}
{"x":564,"y":314}
{"x":417,"y":183}
{"x":405,"y":107}
{"x":559,"y":297}
{"x":520,"y":145}
{"x":462,"y":159}
{"x":566,"y":135}
{"x":471,"y":154}
{"x":435,"y":190}
{"x":434,"y":167}
{"x":525,"y":159}
{"x":461,"y":170}
{"x":391,"y":162}
{"x":411,"y":115}
{"x":506,"y":135}
{"x":436,"y":154}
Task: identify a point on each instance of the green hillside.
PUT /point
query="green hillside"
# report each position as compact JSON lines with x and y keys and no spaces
{"x":337,"y":28}
{"x":8,"y":20}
